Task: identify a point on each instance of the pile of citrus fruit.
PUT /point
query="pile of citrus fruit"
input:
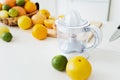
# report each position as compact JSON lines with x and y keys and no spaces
{"x":14,"y":8}
{"x":77,"y":67}
{"x":40,"y":22}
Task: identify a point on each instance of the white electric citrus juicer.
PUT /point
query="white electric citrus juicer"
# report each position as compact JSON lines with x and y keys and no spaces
{"x":73,"y":33}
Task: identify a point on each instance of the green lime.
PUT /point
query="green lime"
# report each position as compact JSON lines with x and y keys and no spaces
{"x":3,"y":29}
{"x":7,"y":36}
{"x":20,"y":2}
{"x":59,"y":62}
{"x":5,"y":7}
{"x":13,"y":12}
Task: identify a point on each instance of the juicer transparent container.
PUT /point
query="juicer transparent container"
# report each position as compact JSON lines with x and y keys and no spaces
{"x":75,"y":38}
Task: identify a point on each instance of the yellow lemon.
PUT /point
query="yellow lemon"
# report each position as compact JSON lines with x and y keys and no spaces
{"x":3,"y":14}
{"x":3,"y":29}
{"x":49,"y":23}
{"x":78,"y":68}
{"x":24,"y":22}
{"x":39,"y":31}
{"x":44,"y":12}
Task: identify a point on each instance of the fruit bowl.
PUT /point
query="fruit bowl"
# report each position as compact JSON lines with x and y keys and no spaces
{"x":12,"y":21}
{"x":37,"y":16}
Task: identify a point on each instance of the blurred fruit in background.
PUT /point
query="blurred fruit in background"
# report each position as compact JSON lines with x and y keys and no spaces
{"x":11,"y":3}
{"x":3,"y":29}
{"x":78,"y":68}
{"x":39,"y":31}
{"x":3,"y":14}
{"x":44,"y":12}
{"x":49,"y":23}
{"x":13,"y":12}
{"x":5,"y":7}
{"x":61,"y":16}
{"x":38,"y":18}
{"x":20,"y":2}
{"x":24,"y":22}
{"x":21,"y":10}
{"x":52,"y":17}
{"x":27,"y":0}
{"x":30,"y":7}
{"x":0,"y":6}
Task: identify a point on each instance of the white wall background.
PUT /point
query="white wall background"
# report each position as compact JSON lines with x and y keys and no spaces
{"x":47,"y":4}
{"x":115,"y":11}
{"x":51,"y":6}
{"x":95,"y":10}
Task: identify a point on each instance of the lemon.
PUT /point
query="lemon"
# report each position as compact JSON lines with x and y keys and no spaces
{"x":49,"y":23}
{"x":39,"y":31}
{"x":20,"y":2}
{"x":3,"y":14}
{"x":44,"y":12}
{"x":7,"y":36}
{"x":3,"y":29}
{"x":78,"y":68}
{"x":59,"y":62}
{"x":24,"y":22}
{"x":13,"y":12}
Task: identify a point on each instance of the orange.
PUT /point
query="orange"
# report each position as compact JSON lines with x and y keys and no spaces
{"x":24,"y":22}
{"x":49,"y":23}
{"x":0,"y":6}
{"x":30,"y":7}
{"x":78,"y":68}
{"x":11,"y":3}
{"x":44,"y":12}
{"x":39,"y":31}
{"x":21,"y":10}
{"x":38,"y":19}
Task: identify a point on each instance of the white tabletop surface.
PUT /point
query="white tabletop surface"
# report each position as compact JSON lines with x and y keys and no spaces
{"x":26,"y":58}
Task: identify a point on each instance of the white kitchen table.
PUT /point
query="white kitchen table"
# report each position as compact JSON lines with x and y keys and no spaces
{"x":26,"y":58}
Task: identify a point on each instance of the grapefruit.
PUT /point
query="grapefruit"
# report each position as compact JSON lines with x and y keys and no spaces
{"x":21,"y":10}
{"x":11,"y":3}
{"x":38,"y":19}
